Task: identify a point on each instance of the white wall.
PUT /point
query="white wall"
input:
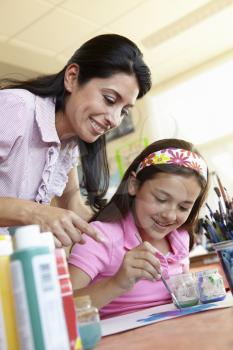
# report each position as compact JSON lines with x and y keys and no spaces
{"x":199,"y":110}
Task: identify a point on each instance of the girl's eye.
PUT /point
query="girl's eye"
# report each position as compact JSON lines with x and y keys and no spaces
{"x":160,"y":200}
{"x":109,"y":99}
{"x":184,"y":209}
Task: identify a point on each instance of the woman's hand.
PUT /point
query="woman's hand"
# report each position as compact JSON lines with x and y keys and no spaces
{"x":66,"y":226}
{"x":139,"y":263}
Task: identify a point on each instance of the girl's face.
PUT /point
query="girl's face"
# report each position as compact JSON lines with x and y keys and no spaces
{"x":95,"y":107}
{"x":163,"y":204}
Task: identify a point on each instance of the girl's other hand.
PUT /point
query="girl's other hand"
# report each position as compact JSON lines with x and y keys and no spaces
{"x":66,"y":226}
{"x":139,"y":263}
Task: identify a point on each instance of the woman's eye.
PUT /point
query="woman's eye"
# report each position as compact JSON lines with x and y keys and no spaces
{"x":110,"y":100}
{"x":124,"y":113}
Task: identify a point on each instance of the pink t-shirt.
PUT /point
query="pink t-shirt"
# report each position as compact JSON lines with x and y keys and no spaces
{"x":102,"y":260}
{"x":34,"y":164}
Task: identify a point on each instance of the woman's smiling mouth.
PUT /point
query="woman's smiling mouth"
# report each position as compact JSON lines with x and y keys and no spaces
{"x":98,"y":128}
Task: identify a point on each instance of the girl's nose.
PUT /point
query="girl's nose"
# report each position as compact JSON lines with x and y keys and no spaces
{"x":169,"y":215}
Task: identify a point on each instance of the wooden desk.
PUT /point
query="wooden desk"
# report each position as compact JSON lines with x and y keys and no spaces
{"x":210,"y":330}
{"x":204,"y":260}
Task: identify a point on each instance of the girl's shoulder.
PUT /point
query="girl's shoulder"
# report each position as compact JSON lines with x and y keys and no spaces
{"x":181,"y":233}
{"x":112,"y":230}
{"x":179,"y":240}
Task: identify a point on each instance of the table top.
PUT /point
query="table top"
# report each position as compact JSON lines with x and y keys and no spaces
{"x":209,"y":330}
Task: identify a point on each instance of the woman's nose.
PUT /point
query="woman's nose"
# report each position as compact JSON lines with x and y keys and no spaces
{"x":113,"y":119}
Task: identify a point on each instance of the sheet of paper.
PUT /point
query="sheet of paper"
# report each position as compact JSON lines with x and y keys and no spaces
{"x":156,"y":314}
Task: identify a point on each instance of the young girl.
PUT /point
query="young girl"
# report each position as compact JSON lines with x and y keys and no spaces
{"x":148,"y":230}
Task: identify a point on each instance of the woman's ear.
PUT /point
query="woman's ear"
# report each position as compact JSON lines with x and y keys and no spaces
{"x":71,"y":77}
{"x":133,"y":184}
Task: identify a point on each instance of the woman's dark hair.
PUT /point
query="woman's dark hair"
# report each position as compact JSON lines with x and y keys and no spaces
{"x":122,"y":202}
{"x":99,"y":57}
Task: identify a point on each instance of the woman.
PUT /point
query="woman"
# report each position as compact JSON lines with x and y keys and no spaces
{"x":48,"y":121}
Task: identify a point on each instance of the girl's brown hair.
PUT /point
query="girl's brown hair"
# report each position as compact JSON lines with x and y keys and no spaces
{"x":122,"y":202}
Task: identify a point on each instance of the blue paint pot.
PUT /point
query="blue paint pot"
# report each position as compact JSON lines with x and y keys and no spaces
{"x":210,"y":286}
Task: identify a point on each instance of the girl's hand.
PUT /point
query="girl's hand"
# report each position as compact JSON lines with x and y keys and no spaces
{"x":66,"y":226}
{"x":138,"y":263}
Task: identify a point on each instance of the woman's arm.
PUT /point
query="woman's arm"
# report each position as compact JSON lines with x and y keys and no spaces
{"x":16,"y":212}
{"x":72,"y":198}
{"x":66,"y":226}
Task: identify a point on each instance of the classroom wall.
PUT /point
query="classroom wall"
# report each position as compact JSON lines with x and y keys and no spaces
{"x":219,"y":155}
{"x":144,"y":120}
{"x":197,"y":108}
{"x":151,"y":124}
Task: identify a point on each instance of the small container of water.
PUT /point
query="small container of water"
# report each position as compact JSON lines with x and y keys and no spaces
{"x":88,"y":322}
{"x":184,"y":287}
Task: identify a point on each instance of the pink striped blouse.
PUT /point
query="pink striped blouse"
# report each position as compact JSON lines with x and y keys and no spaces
{"x":33,"y":162}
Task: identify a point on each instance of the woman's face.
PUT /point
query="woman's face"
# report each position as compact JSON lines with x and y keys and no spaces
{"x":163,"y":203}
{"x":95,"y":107}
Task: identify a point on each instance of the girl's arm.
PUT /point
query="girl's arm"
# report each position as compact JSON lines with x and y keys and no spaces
{"x":138,"y":263}
{"x":72,"y":198}
{"x":80,"y":282}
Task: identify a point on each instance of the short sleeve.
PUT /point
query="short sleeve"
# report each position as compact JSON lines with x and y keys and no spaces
{"x":92,"y":257}
{"x":13,"y":121}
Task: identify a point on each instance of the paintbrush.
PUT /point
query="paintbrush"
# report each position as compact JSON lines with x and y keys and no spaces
{"x":171,"y":293}
{"x":221,"y":209}
{"x":223,"y":192}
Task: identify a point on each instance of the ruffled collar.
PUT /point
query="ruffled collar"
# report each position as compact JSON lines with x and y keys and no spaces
{"x":132,"y":237}
{"x":45,"y":118}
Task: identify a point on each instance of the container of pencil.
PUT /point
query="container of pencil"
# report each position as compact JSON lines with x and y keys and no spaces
{"x":225,"y":253}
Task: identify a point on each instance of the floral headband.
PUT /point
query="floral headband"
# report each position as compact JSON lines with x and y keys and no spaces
{"x":176,"y":156}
